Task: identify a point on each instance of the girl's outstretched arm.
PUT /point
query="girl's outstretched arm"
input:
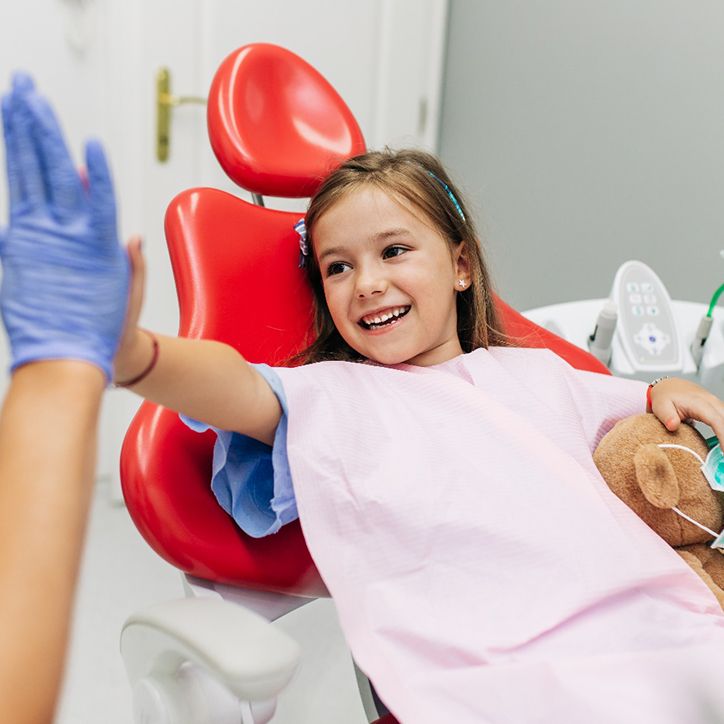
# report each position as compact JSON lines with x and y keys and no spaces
{"x":206,"y":380}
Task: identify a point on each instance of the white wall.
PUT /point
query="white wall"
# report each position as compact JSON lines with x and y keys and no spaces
{"x":57,"y":40}
{"x":589,"y":132}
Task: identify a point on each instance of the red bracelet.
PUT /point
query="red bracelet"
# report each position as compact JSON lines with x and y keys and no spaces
{"x":147,"y":370}
{"x":648,"y":392}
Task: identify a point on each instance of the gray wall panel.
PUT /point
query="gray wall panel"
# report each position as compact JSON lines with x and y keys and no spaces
{"x":588,"y":133}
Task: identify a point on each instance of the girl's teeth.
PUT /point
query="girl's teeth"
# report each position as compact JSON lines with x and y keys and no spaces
{"x":393,"y":314}
{"x":382,"y":318}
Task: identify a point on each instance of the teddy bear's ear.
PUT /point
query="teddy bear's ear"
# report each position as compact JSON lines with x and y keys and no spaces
{"x":656,"y":477}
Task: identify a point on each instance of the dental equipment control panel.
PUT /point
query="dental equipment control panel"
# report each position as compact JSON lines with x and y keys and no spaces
{"x":641,"y":333}
{"x":646,"y":327}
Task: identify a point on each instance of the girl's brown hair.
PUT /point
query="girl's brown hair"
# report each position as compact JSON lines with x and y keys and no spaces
{"x":419,"y":179}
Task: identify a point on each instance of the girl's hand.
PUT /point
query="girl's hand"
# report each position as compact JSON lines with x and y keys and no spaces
{"x":132,"y":347}
{"x":675,"y":400}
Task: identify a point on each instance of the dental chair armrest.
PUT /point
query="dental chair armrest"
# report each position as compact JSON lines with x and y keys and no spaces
{"x":252,"y":658}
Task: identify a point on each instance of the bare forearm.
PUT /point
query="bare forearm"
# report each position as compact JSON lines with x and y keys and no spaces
{"x":47,"y":450}
{"x":206,"y":380}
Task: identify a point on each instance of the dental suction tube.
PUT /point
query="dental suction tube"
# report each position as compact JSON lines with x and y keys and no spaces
{"x":600,"y":342}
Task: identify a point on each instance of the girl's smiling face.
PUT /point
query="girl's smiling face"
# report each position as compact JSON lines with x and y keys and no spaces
{"x":389,"y":279}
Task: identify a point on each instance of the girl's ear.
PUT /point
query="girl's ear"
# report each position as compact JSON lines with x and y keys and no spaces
{"x":462,"y":264}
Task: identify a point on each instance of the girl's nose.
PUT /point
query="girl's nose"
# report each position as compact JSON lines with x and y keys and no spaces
{"x":370,"y":282}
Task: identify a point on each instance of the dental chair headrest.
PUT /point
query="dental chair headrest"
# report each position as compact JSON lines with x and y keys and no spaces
{"x":276,"y":125}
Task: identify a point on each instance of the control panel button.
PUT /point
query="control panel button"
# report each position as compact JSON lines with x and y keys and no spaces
{"x":652,"y":339}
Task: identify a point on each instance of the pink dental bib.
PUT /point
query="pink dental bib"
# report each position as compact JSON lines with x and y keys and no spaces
{"x":482,"y":569}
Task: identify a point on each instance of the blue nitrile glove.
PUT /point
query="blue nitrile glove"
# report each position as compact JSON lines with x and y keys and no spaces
{"x":65,"y":276}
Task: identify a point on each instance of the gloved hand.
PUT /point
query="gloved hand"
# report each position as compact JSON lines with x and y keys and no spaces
{"x":65,"y":276}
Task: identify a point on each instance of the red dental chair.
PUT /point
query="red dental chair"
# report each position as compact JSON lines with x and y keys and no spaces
{"x":277,"y":128}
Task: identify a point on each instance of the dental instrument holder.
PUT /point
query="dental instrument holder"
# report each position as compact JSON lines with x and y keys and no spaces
{"x":601,"y":341}
{"x":645,"y":346}
{"x":702,"y":335}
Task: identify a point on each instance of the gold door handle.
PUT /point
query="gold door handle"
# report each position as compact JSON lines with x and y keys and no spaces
{"x":165,"y":101}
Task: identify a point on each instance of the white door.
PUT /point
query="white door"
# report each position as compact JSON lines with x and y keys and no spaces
{"x":383,"y":56}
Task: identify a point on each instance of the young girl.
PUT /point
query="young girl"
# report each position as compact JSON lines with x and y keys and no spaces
{"x":481,"y":568}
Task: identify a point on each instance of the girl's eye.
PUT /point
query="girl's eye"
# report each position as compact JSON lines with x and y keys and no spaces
{"x":392,"y":251}
{"x":336,"y":267}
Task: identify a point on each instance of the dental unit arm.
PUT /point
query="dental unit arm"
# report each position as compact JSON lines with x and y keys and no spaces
{"x":639,"y":332}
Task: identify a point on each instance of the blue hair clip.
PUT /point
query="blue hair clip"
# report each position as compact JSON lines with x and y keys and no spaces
{"x":301,"y":228}
{"x":449,"y":193}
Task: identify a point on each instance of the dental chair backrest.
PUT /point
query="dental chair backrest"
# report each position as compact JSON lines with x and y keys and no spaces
{"x":277,"y":128}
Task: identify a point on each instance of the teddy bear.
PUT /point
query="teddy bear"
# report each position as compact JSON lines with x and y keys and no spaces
{"x":652,"y":480}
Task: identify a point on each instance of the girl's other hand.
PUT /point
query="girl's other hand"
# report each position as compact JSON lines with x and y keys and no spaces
{"x":675,"y":400}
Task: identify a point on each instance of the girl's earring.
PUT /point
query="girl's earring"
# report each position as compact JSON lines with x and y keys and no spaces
{"x":461,"y":283}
